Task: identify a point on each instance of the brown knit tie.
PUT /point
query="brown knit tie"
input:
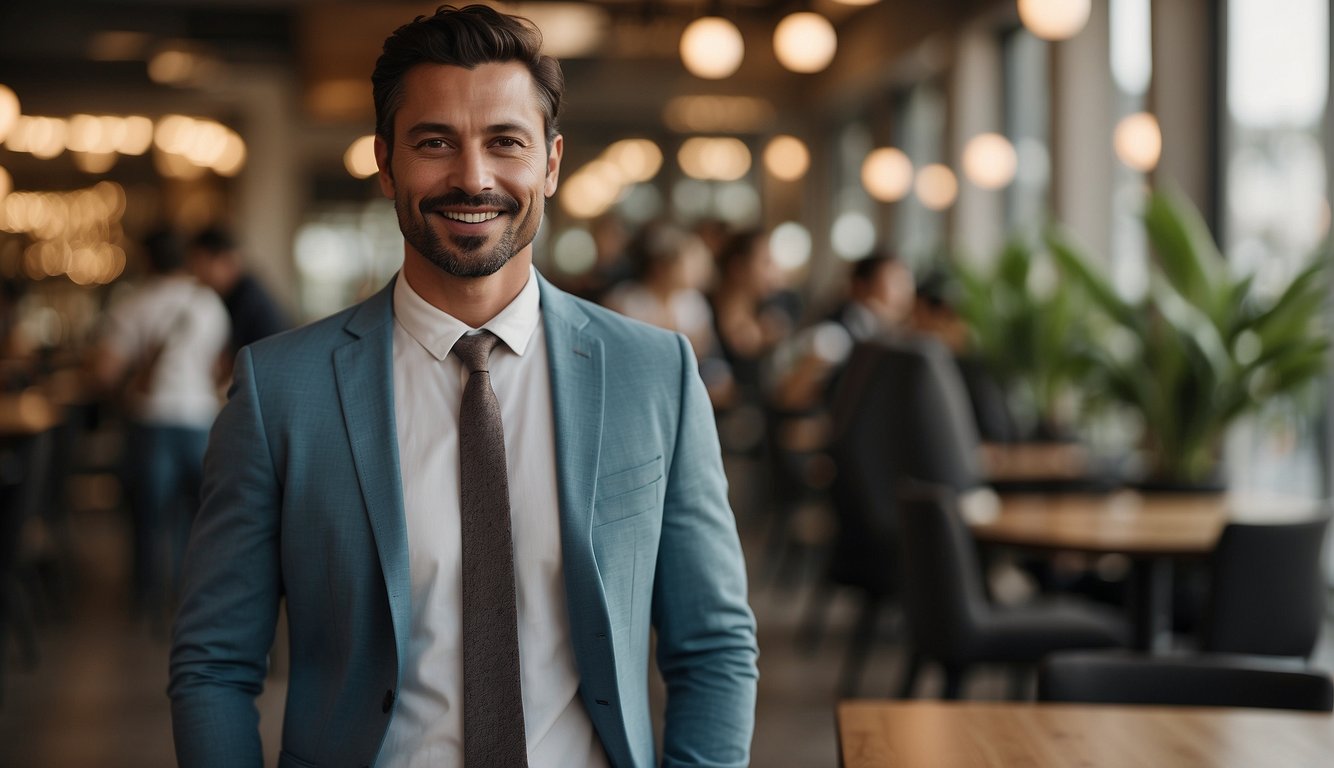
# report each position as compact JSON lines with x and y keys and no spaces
{"x":493,"y":733}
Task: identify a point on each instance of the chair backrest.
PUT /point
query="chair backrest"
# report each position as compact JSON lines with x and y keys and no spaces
{"x":943,"y":596}
{"x":1267,"y":593}
{"x":1199,"y":681}
{"x":900,"y":410}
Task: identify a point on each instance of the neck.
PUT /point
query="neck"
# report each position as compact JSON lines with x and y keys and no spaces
{"x":473,"y":300}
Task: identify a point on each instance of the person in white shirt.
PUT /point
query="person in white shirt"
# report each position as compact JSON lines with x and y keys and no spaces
{"x":160,"y":349}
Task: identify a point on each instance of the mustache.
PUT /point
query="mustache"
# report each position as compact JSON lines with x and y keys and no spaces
{"x":491,"y":200}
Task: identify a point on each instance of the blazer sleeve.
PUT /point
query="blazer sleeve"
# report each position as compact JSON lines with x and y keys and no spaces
{"x":706,"y":632}
{"x":230,"y":590}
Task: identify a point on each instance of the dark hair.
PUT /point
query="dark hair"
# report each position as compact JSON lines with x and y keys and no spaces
{"x":165,"y":249}
{"x":867,"y":268}
{"x":738,"y":248}
{"x":213,"y":240}
{"x":464,"y":37}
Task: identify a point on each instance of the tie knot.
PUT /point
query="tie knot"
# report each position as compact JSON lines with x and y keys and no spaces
{"x":474,"y":349}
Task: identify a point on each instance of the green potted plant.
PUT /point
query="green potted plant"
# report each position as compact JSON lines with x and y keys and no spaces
{"x":1201,"y":348}
{"x":1023,"y":319}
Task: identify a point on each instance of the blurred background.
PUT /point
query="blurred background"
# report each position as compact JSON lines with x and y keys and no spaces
{"x":1112,"y":213}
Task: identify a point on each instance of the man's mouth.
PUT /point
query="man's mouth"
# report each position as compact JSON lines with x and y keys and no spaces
{"x":470,"y":218}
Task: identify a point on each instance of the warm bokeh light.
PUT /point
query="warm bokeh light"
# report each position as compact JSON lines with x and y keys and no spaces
{"x":6,"y":183}
{"x":9,"y":110}
{"x":45,"y":136}
{"x":172,"y":66}
{"x":936,"y":186}
{"x":1054,"y":19}
{"x":73,"y":233}
{"x":858,"y":3}
{"x":138,"y":136}
{"x":712,"y":48}
{"x":232,"y":157}
{"x":94,"y":162}
{"x":587,"y":195}
{"x":719,"y":159}
{"x":990,"y":161}
{"x":1138,"y":141}
{"x":805,"y":42}
{"x":887,"y":174}
{"x":359,"y":159}
{"x":639,"y":159}
{"x":786,"y":158}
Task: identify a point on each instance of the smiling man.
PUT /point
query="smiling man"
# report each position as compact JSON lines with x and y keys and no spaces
{"x":478,"y":495}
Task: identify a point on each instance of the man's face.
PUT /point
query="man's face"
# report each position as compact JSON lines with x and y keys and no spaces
{"x":470,"y":169}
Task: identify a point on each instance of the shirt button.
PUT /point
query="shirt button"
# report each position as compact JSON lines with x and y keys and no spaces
{"x":388,"y":700}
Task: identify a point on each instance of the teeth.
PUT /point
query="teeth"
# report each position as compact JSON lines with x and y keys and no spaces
{"x":470,"y":218}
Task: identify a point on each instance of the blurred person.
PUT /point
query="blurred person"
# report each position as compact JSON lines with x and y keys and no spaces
{"x":673,"y":268}
{"x":880,"y":300}
{"x":216,"y":261}
{"x":345,"y":477}
{"x":159,"y":350}
{"x":753,"y":310}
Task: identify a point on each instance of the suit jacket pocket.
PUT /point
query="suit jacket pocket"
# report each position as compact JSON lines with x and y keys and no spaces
{"x":627,"y":492}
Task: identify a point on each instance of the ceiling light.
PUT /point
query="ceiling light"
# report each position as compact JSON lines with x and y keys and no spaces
{"x":1138,"y":141}
{"x":989,"y":160}
{"x":359,"y":159}
{"x":712,"y":48}
{"x":787,"y":158}
{"x":805,"y":42}
{"x":887,"y":174}
{"x":9,"y":111}
{"x":936,"y":187}
{"x":1054,"y":19}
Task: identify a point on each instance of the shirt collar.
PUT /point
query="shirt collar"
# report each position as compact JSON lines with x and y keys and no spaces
{"x":436,"y":330}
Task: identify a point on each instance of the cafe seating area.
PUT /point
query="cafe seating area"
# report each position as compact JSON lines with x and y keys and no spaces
{"x":1015,"y":318}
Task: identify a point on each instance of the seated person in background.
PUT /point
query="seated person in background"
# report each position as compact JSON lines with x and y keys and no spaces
{"x":752,"y":306}
{"x":880,"y":300}
{"x":216,"y":262}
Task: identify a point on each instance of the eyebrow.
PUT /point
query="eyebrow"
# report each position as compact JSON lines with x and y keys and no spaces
{"x":450,"y":130}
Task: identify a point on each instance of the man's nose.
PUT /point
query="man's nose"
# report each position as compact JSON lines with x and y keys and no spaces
{"x":473,"y":173}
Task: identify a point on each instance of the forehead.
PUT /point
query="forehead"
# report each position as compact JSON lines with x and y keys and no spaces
{"x":494,"y":93}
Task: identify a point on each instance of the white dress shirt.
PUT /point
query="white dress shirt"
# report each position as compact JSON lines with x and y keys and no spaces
{"x":427,"y":726}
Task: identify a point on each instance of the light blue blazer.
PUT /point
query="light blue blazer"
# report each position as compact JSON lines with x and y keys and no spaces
{"x":303,"y":500}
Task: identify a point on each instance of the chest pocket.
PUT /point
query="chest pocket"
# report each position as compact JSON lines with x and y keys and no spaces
{"x":628,"y":492}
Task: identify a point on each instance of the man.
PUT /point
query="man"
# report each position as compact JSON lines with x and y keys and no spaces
{"x":159,"y":351}
{"x":216,"y":261}
{"x":336,"y":479}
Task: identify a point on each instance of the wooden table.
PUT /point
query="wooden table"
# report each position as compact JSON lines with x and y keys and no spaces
{"x":908,"y":734}
{"x":1152,"y":529}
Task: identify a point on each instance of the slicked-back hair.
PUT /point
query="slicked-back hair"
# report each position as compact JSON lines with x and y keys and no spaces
{"x":464,"y":37}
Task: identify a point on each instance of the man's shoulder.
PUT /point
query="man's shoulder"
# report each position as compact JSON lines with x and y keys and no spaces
{"x":320,"y":336}
{"x":612,"y":327}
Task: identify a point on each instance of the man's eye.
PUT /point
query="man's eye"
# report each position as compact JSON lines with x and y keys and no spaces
{"x":433,"y":144}
{"x":508,"y":142}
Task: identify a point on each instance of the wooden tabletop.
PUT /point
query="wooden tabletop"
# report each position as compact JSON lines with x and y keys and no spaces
{"x":1126,"y":522}
{"x":909,"y":734}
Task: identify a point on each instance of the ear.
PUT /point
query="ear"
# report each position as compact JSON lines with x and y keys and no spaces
{"x":553,"y":165}
{"x":385,"y":174}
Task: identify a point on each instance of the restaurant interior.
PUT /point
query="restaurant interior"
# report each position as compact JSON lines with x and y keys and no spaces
{"x":1015,"y":316}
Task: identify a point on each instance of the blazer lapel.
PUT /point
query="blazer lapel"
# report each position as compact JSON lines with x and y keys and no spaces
{"x":364,"y":371}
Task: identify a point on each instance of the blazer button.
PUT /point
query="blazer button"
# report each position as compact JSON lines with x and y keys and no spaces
{"x":388,"y":700}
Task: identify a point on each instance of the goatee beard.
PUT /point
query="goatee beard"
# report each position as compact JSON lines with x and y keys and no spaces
{"x":461,"y":256}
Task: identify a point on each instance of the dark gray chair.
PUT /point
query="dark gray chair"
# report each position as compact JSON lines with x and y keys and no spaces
{"x":1267,"y":591}
{"x":950,"y":620}
{"x":1192,"y":681}
{"x":900,"y":409}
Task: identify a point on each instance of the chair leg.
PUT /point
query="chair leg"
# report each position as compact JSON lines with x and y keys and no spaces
{"x":954,"y":678}
{"x":912,"y":667}
{"x":859,"y":645}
